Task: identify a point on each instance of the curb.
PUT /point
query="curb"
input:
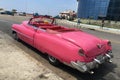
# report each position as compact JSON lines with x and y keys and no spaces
{"x":92,"y":27}
{"x":104,"y":29}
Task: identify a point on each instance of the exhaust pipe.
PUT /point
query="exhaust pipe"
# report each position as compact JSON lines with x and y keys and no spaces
{"x":110,"y":61}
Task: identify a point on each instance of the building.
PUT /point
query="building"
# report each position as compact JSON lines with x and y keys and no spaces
{"x":69,"y":15}
{"x":109,"y":9}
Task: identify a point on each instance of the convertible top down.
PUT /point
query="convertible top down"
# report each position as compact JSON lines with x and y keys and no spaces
{"x":72,"y":47}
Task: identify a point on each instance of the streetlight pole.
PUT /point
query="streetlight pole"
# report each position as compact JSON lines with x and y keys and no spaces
{"x":78,"y":21}
{"x":26,"y":5}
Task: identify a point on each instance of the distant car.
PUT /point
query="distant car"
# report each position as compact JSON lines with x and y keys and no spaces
{"x":2,"y":13}
{"x":22,"y":14}
{"x":7,"y":12}
{"x":72,"y":47}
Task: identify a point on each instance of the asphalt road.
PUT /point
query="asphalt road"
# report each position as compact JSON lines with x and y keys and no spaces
{"x":105,"y":72}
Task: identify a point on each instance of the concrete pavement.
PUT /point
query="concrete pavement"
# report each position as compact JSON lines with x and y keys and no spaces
{"x":15,"y":64}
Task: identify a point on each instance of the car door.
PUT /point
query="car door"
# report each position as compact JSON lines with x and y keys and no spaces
{"x":28,"y":32}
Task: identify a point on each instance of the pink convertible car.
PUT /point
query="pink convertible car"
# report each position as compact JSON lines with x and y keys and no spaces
{"x":72,"y":47}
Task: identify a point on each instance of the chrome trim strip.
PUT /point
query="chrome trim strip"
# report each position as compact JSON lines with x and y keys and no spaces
{"x":108,"y":55}
{"x":97,"y":61}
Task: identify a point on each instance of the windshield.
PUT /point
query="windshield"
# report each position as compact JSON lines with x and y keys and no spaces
{"x":42,"y":20}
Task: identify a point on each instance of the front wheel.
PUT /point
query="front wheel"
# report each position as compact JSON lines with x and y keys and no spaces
{"x":15,"y":36}
{"x":53,"y":60}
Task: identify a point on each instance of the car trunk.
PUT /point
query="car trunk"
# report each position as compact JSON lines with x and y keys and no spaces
{"x":90,"y":44}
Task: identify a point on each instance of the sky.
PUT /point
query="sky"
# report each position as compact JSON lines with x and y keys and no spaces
{"x":43,"y":7}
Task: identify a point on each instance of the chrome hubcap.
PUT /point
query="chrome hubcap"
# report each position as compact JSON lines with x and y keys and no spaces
{"x":52,"y":59}
{"x":15,"y":36}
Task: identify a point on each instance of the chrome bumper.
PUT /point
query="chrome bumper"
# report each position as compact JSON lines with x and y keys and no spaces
{"x":86,"y":67}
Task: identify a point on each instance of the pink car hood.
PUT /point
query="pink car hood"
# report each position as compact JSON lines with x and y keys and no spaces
{"x":85,"y":41}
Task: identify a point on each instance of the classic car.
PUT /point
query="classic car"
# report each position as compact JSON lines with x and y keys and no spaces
{"x":70,"y":46}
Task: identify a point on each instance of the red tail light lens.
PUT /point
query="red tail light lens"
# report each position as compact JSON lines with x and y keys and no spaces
{"x":81,"y":52}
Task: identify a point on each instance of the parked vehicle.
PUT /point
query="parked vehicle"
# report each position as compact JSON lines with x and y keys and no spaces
{"x":6,"y":12}
{"x":22,"y":14}
{"x":72,"y":47}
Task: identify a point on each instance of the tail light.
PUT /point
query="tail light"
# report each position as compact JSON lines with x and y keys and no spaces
{"x":81,"y":52}
{"x":109,"y":43}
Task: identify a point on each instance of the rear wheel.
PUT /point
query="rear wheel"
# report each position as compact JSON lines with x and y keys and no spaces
{"x":53,"y":60}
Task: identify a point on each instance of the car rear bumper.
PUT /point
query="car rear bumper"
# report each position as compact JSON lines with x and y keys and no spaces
{"x":87,"y":67}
